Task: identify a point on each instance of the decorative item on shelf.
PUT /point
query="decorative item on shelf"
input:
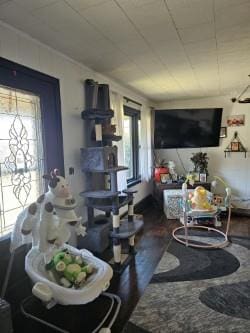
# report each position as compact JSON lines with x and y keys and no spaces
{"x":203,"y":177}
{"x":190,"y":178}
{"x":181,"y":179}
{"x":244,"y":96}
{"x":200,"y":161}
{"x":172,"y":172}
{"x":236,"y":120}
{"x":159,"y":168}
{"x":196,"y":176}
{"x":235,"y":146}
{"x":165,"y":178}
{"x":223,"y":132}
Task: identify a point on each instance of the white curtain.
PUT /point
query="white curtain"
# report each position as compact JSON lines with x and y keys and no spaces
{"x":146,"y":144}
{"x":116,"y":101}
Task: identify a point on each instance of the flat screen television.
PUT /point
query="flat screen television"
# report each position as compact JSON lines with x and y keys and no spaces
{"x":187,"y":128}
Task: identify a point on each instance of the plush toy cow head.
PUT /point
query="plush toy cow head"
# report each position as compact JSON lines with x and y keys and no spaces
{"x":57,"y":184}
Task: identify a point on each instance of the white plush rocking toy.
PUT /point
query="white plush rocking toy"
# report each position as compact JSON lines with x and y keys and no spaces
{"x":61,"y":273}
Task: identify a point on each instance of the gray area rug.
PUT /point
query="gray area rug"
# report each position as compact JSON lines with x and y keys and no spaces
{"x":197,"y":291}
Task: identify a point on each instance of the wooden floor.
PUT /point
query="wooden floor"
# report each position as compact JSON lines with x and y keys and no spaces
{"x":150,"y":247}
{"x":151,"y":244}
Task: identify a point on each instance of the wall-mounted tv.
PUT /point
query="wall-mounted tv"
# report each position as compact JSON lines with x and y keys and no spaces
{"x":187,"y":128}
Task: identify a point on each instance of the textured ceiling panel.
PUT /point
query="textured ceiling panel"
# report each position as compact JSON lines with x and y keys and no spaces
{"x":197,"y":33}
{"x":191,"y":12}
{"x":164,"y":49}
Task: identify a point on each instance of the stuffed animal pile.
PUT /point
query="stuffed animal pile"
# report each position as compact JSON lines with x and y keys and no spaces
{"x":69,"y":270}
{"x":199,"y":200}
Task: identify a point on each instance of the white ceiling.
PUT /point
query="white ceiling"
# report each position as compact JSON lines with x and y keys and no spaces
{"x":165,"y":49}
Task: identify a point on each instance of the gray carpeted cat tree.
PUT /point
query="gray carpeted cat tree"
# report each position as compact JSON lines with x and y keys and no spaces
{"x":100,"y":165}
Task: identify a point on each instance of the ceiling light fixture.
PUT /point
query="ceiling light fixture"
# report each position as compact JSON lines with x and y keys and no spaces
{"x":239,"y":99}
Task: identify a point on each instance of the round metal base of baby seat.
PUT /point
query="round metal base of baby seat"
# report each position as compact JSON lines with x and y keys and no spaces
{"x":114,"y":306}
{"x":188,"y":242}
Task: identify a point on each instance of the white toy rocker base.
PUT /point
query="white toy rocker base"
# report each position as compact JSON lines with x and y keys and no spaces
{"x":61,"y":274}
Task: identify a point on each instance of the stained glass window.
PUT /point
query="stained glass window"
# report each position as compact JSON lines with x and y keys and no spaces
{"x":21,"y":154}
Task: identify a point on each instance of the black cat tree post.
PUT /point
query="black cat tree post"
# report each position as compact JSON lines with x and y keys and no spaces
{"x":100,"y":165}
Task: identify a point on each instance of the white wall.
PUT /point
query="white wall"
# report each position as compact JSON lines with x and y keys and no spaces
{"x":235,"y":169}
{"x":18,"y":47}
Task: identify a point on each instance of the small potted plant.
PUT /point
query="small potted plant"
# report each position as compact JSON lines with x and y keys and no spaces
{"x":160,"y":167}
{"x":200,"y":161}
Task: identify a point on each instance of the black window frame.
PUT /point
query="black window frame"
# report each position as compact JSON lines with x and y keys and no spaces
{"x":135,"y":117}
{"x":20,"y":77}
{"x":48,"y":89}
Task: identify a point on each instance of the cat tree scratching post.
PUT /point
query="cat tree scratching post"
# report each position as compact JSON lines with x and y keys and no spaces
{"x":99,"y":163}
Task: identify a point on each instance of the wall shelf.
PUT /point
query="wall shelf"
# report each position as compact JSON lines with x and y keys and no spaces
{"x":235,"y":146}
{"x":228,"y":152}
{"x":96,"y":114}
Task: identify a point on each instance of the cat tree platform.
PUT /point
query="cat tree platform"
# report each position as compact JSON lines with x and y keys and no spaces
{"x":127,"y":229}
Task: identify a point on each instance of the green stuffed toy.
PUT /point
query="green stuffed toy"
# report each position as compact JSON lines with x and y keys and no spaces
{"x":69,"y":270}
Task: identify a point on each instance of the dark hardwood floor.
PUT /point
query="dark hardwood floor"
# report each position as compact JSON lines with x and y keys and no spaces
{"x":151,"y":244}
{"x":131,"y":284}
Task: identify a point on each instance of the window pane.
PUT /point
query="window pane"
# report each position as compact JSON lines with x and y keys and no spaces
{"x":139,"y":147}
{"x":128,"y":146}
{"x":21,"y":166}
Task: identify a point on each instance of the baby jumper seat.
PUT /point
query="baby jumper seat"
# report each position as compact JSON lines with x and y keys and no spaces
{"x":94,"y":285}
{"x":60,"y":273}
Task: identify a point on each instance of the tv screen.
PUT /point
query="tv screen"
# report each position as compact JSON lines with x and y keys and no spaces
{"x":187,"y":128}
